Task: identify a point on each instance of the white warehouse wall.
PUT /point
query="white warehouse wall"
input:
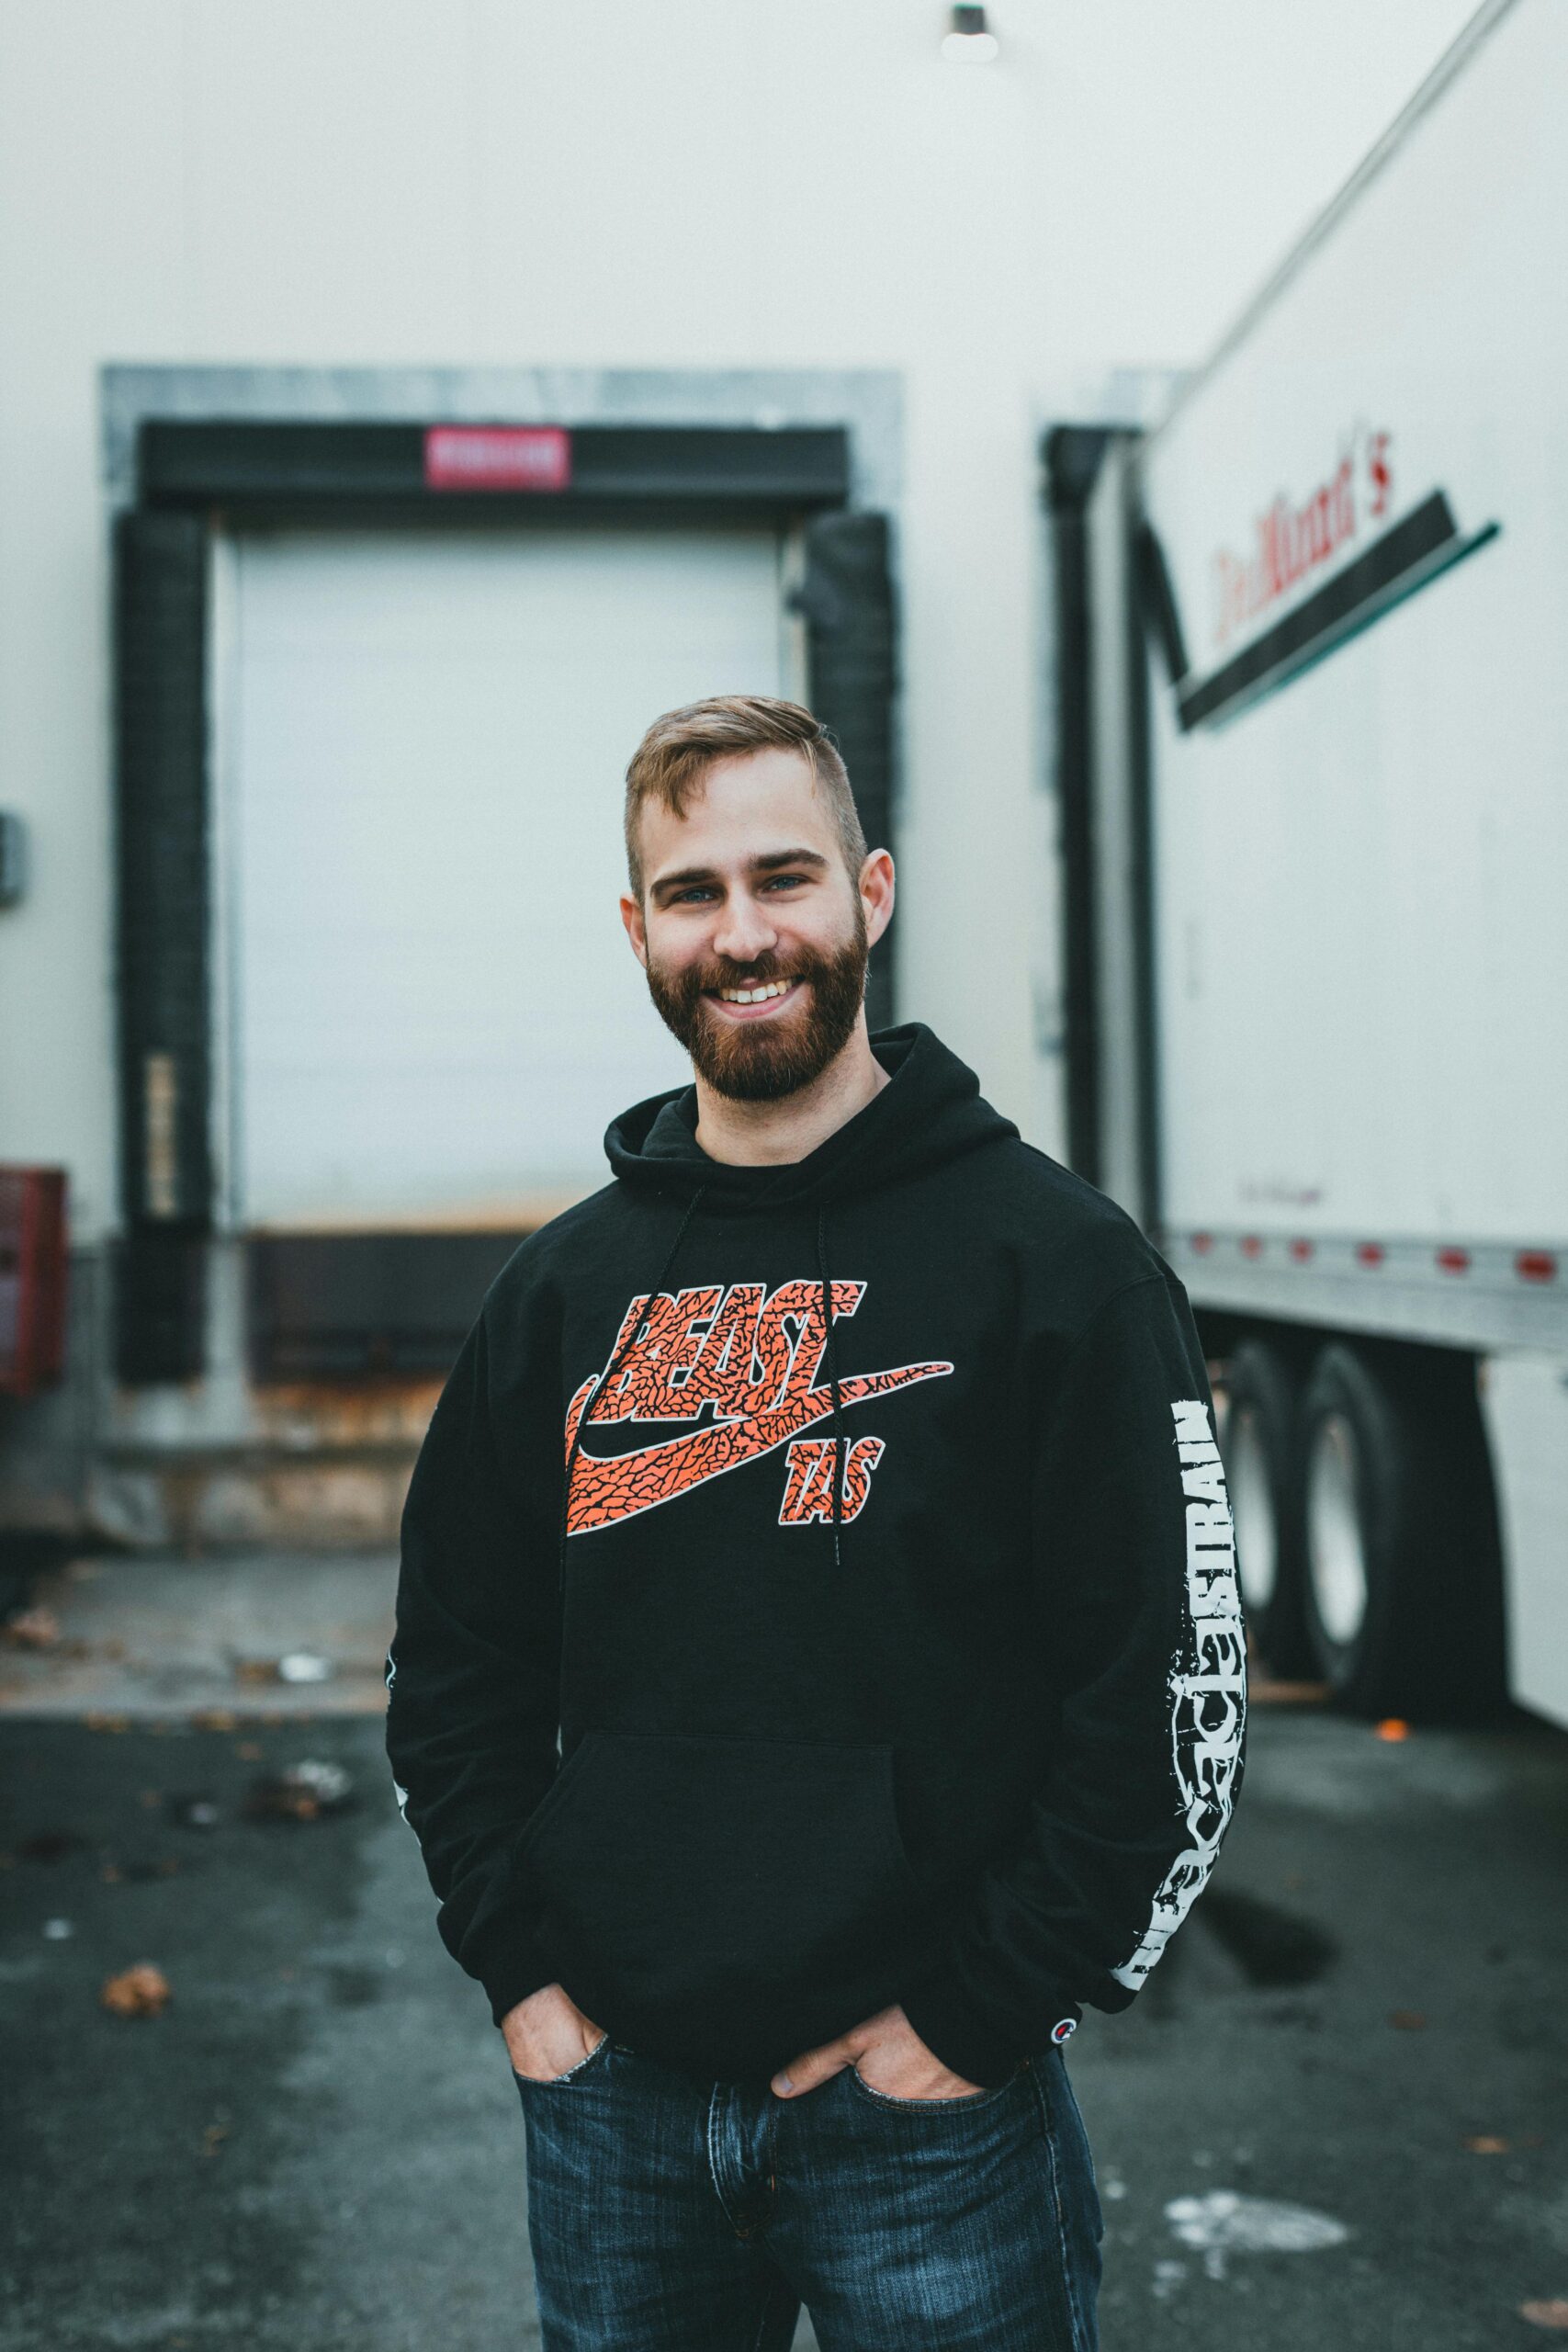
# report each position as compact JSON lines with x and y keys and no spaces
{"x":707,"y":184}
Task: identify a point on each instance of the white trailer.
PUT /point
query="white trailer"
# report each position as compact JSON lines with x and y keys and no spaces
{"x":1312,"y":713}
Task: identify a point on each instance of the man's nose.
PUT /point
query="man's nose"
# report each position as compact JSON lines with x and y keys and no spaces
{"x":745,"y":931}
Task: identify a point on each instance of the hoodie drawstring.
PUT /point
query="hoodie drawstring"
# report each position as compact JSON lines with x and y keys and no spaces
{"x":603,"y":1380}
{"x":841,"y":1464}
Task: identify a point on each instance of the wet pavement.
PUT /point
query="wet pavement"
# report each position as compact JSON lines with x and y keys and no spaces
{"x":1337,"y":2115}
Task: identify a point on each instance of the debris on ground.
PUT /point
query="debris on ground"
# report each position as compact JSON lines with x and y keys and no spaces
{"x":195,"y":1813}
{"x":59,"y":1930}
{"x":1553,"y":2312}
{"x":1225,"y":2223}
{"x":302,"y":1794}
{"x":139,"y":1992}
{"x":49,"y":1846}
{"x":31,"y":1629}
{"x":304,"y":1666}
{"x":295,"y":1666}
{"x":1485,"y":2143}
{"x":1407,"y":2021}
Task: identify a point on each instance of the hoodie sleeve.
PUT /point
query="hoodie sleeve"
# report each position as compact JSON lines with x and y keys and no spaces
{"x":472,"y":1671}
{"x":1141,"y":1653}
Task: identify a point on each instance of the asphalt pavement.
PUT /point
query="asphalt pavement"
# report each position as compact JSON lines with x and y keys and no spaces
{"x":1336,"y":2116}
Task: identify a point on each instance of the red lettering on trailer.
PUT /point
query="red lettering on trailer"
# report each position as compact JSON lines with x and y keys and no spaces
{"x":1536,"y":1266}
{"x":1454,"y":1261}
{"x":1290,"y":540}
{"x":1370,"y":1253}
{"x":1301,"y":1251}
{"x":1251,"y":1245}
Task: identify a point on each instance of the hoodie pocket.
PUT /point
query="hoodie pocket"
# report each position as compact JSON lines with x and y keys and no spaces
{"x":723,"y":1903}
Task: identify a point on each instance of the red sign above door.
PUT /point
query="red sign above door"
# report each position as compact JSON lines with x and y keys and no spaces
{"x":497,"y":457}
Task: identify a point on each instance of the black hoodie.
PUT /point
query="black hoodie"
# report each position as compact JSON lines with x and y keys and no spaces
{"x":960,"y":1729}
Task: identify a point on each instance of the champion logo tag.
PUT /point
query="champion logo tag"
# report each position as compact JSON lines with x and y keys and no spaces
{"x":1063,"y":2030}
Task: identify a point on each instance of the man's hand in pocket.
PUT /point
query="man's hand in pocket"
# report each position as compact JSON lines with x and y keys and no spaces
{"x":895,"y":2061}
{"x":548,"y":2034}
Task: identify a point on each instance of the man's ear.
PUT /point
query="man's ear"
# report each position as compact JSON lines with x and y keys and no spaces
{"x":876,"y":885}
{"x":636,"y":930}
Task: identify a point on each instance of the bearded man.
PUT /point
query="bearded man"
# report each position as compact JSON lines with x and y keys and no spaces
{"x":818,"y":1666}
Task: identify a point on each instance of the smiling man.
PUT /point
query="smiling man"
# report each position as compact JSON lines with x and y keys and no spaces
{"x":818,"y":1666}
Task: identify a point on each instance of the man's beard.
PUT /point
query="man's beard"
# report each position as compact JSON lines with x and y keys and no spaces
{"x":759,"y":1061}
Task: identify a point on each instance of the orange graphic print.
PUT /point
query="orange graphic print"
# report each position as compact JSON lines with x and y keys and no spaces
{"x":752,"y":1358}
{"x":808,"y":1490}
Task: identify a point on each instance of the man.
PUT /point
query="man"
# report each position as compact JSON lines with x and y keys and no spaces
{"x":839,"y":1481}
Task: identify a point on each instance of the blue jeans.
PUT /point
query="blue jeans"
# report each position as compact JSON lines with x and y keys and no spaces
{"x":669,"y":2213}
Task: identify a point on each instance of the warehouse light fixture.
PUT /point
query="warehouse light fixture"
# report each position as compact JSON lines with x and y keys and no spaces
{"x":969,"y":42}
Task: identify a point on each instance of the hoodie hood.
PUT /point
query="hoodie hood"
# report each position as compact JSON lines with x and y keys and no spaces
{"x":932,"y":1110}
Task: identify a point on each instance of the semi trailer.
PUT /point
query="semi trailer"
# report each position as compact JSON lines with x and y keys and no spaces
{"x":1310,"y":696}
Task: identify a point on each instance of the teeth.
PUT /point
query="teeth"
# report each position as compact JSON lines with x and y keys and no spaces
{"x":755,"y":996}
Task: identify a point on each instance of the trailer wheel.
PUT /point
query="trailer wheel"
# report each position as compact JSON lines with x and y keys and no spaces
{"x":1260,"y":1441}
{"x":1403,"y":1586}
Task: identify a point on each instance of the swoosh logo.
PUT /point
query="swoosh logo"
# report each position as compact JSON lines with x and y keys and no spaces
{"x":609,"y":1487}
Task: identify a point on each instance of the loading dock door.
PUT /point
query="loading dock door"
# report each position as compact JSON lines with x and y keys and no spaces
{"x":432,"y":1009}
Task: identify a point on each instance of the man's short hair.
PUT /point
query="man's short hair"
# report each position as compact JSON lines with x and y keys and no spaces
{"x":680,"y":746}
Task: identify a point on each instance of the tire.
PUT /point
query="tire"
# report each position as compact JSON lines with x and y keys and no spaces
{"x":1260,"y":1441}
{"x":1402,"y":1583}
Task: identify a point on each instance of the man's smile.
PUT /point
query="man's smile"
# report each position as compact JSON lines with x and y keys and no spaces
{"x":759,"y":1003}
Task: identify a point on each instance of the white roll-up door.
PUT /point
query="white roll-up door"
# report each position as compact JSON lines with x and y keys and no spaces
{"x":432,"y":1009}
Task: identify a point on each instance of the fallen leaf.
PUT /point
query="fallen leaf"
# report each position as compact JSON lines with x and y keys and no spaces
{"x":215,"y":1719}
{"x":1553,"y":2312}
{"x":1484,"y":2144}
{"x":249,"y":1751}
{"x":139,"y":1992}
{"x":1394,"y":1727}
{"x":1407,"y":2021}
{"x":98,"y":1721}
